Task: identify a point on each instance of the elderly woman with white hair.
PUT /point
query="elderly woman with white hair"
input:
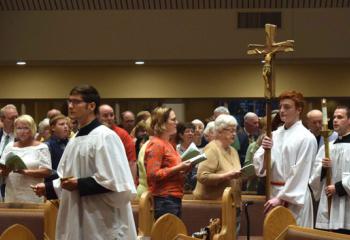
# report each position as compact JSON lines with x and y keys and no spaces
{"x":222,"y":168}
{"x":36,"y":157}
{"x":43,"y":130}
{"x":209,"y":131}
{"x":198,"y":132}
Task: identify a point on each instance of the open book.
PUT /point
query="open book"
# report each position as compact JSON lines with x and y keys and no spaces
{"x":190,"y":152}
{"x":14,"y":162}
{"x":197,"y":159}
{"x":248,"y":170}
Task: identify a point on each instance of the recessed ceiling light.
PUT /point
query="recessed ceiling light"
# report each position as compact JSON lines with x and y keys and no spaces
{"x":139,"y":62}
{"x":21,"y":63}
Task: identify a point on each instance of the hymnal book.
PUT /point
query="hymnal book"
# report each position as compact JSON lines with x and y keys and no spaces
{"x":248,"y":170}
{"x":197,"y":159}
{"x":14,"y":162}
{"x":190,"y":152}
{"x":65,"y":178}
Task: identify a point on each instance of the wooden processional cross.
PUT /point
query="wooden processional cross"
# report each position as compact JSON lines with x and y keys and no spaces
{"x":269,"y":50}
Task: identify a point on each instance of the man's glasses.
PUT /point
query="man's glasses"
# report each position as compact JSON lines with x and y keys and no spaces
{"x":74,"y":102}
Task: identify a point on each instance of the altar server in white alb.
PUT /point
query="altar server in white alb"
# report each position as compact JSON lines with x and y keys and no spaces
{"x":95,"y":185}
{"x":293,"y":150}
{"x":339,"y":189}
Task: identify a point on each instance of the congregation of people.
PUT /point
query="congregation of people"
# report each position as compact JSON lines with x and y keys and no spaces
{"x":96,"y":166}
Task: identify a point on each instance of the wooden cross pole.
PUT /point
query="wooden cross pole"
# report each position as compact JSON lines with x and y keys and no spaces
{"x":269,"y":50}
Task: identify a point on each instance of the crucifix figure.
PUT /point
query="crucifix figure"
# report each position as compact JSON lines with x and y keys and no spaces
{"x":269,"y":50}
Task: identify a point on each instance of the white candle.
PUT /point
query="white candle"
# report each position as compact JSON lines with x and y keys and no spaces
{"x":324,"y":112}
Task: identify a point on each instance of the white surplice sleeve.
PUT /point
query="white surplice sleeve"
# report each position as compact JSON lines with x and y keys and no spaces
{"x":113,"y":171}
{"x":315,"y":180}
{"x":258,"y":162}
{"x":56,"y":183}
{"x":346,"y":182}
{"x":296,"y":184}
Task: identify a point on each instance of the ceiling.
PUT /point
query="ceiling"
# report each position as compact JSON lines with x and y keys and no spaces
{"x":96,"y":5}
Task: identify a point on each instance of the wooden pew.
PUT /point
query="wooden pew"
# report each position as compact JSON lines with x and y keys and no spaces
{"x":38,"y":218}
{"x":276,"y":221}
{"x":170,"y":227}
{"x":228,"y":217}
{"x":145,"y":215}
{"x":197,"y":213}
{"x":280,"y":224}
{"x":194,"y":208}
{"x":167,"y":227}
{"x":293,"y":232}
{"x":18,"y":232}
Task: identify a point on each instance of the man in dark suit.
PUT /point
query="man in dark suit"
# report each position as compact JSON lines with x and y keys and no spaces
{"x":8,"y":115}
{"x":248,"y":134}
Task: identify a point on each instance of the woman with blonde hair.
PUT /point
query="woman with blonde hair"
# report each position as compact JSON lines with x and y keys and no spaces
{"x":36,"y":157}
{"x":165,"y":170}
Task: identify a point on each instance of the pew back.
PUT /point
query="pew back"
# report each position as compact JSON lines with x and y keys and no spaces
{"x":293,"y":232}
{"x":197,"y":213}
{"x":276,"y":221}
{"x":167,"y":227}
{"x":18,"y":232}
{"x":39,"y":218}
{"x":145,"y":214}
{"x":228,"y":217}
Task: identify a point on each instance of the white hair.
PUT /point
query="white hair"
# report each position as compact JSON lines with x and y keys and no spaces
{"x":209,"y":128}
{"x":221,"y":110}
{"x":5,"y":108}
{"x":224,"y":121}
{"x":45,"y":123}
{"x":198,"y":122}
{"x":250,"y":115}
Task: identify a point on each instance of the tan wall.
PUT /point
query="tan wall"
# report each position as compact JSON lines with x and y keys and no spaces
{"x":186,"y":81}
{"x":163,"y":35}
{"x":49,"y":38}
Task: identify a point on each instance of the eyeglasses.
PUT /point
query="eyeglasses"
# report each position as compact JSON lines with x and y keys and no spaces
{"x":22,"y":129}
{"x":231,"y":130}
{"x":74,"y":102}
{"x":188,"y":131}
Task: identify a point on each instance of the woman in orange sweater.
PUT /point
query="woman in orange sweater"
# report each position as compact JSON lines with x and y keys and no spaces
{"x":164,"y":168}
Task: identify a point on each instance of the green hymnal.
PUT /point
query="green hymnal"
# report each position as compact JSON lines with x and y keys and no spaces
{"x":248,"y":170}
{"x":14,"y":162}
{"x":190,"y":152}
{"x":197,"y":159}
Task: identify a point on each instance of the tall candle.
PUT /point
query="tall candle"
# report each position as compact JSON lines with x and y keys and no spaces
{"x":324,"y":112}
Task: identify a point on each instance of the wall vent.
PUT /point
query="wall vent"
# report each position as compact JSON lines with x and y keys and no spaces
{"x":97,"y":5}
{"x":258,"y":19}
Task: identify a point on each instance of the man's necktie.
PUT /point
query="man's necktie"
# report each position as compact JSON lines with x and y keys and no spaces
{"x":6,"y":141}
{"x":251,"y":139}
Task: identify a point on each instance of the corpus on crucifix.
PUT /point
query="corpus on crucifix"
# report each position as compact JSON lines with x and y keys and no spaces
{"x":268,"y":50}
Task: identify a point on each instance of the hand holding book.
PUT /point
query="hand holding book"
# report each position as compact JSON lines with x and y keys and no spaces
{"x":39,"y":189}
{"x":13,"y":163}
{"x":248,"y":171}
{"x":197,"y":159}
{"x":190,"y":152}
